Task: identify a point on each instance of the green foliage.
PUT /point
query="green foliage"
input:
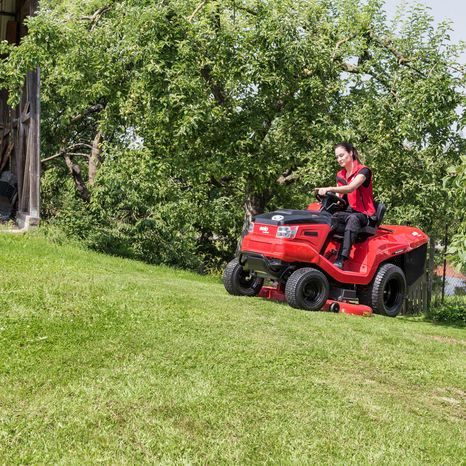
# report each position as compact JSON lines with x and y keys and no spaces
{"x":456,"y":185}
{"x":452,"y":311}
{"x":134,"y":212}
{"x":212,"y":110}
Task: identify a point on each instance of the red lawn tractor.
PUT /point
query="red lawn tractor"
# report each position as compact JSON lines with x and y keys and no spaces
{"x":295,"y":251}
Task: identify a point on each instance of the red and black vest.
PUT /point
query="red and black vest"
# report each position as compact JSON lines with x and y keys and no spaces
{"x":361,"y":199}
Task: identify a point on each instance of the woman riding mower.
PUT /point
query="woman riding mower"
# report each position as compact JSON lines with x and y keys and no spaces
{"x":354,"y":182}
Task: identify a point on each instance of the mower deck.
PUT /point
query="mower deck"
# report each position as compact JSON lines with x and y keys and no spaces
{"x":276,"y":293}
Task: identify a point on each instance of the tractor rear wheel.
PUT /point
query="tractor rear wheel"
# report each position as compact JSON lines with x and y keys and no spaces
{"x":307,"y":288}
{"x":386,"y":293}
{"x":240,"y":282}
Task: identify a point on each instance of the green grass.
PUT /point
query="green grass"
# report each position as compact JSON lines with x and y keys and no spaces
{"x":113,"y":361}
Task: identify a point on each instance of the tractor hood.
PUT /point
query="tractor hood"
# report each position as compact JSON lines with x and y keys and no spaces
{"x":293,"y":217}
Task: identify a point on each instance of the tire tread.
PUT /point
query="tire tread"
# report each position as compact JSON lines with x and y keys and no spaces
{"x":231,"y":284}
{"x":293,"y":287}
{"x":372,"y":296}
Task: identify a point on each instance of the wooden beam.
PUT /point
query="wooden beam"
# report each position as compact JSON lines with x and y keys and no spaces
{"x":7,"y":155}
{"x":34,"y":144}
{"x":20,"y":5}
{"x":19,"y":154}
{"x":24,"y":199}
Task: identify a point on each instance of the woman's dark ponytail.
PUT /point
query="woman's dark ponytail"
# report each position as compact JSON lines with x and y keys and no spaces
{"x":349,"y":148}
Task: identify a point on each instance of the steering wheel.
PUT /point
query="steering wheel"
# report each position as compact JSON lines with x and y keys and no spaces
{"x":332,"y":198}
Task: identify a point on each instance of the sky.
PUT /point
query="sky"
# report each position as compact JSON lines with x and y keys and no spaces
{"x":454,"y":10}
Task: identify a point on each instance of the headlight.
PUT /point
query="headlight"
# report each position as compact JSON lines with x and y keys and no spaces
{"x":287,"y":232}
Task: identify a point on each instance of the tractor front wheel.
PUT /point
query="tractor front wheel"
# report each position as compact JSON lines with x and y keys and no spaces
{"x":240,"y":282}
{"x":307,"y":289}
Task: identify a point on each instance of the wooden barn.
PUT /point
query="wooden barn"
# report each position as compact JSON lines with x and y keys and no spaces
{"x":20,"y":129}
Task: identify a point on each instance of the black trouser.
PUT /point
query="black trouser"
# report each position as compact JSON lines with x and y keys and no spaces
{"x":352,"y":222}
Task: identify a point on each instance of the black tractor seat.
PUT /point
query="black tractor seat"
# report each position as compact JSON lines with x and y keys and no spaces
{"x":369,"y":230}
{"x":374,"y":220}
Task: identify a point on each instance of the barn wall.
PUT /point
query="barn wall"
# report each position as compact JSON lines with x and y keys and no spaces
{"x":20,"y":127}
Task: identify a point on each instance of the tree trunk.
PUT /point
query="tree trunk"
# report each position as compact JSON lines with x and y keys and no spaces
{"x":75,"y":172}
{"x":255,"y":204}
{"x":95,"y":158}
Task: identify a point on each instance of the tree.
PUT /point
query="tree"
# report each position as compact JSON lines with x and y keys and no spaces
{"x":236,"y":106}
{"x":455,"y":182}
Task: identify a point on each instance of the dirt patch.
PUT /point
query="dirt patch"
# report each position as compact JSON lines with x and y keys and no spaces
{"x":453,"y":341}
{"x":453,"y":400}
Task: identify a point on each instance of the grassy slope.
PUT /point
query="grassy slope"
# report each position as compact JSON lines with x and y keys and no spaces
{"x":109,"y":360}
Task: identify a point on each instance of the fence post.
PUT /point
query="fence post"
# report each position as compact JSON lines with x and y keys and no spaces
{"x":444,"y":261}
{"x":430,"y":272}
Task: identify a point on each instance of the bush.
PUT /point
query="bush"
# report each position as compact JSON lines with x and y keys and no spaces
{"x":452,"y":311}
{"x":139,"y":210}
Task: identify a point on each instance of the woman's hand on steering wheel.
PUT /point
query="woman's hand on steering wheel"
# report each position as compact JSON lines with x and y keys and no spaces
{"x":340,"y":201}
{"x":322,"y":191}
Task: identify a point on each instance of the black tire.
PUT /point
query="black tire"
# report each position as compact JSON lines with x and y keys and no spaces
{"x":307,"y":288}
{"x":240,"y":282}
{"x":386,"y":294}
